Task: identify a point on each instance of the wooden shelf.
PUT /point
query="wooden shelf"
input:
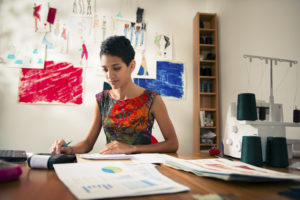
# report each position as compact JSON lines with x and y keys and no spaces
{"x":208,"y":127}
{"x":207,"y":77}
{"x":206,"y":88}
{"x":208,"y":109}
{"x":208,"y":93}
{"x":207,"y":30}
{"x":207,"y":61}
{"x":207,"y":47}
{"x":208,"y":145}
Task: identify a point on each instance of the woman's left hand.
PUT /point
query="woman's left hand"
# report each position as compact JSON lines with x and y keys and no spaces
{"x":117,"y":147}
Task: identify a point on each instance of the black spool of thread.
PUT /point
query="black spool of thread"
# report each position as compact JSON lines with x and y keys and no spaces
{"x":276,"y":152}
{"x":296,"y":116}
{"x":246,"y":107}
{"x":262,"y":113}
{"x":252,"y":151}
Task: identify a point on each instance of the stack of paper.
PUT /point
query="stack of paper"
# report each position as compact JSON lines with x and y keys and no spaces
{"x":137,"y":158}
{"x":97,"y":156}
{"x":105,"y":179}
{"x":229,"y":170}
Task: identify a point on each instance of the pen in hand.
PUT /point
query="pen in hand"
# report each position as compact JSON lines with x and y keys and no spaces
{"x":67,"y":144}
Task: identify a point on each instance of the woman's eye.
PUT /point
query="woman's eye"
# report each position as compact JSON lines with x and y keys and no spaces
{"x":104,"y":69}
{"x":117,"y":68}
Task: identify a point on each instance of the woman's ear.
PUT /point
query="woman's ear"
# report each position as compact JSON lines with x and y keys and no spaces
{"x":132,"y":65}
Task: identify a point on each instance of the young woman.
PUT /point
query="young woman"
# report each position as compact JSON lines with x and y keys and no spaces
{"x":126,"y":112}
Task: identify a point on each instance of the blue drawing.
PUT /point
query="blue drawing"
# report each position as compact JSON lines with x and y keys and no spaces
{"x":131,"y":31}
{"x":19,"y":62}
{"x":40,"y":61}
{"x":169,"y":80}
{"x":11,"y":56}
{"x":35,"y":51}
{"x":48,"y":44}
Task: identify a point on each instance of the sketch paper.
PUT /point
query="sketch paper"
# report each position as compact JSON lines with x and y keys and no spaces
{"x":31,"y":56}
{"x":20,"y":45}
{"x":229,"y":170}
{"x":137,"y":158}
{"x":83,"y":8}
{"x":56,"y":83}
{"x":40,"y":15}
{"x":97,"y":156}
{"x":145,"y":68}
{"x":154,"y":158}
{"x":169,"y":80}
{"x":102,"y":180}
{"x":81,"y":44}
{"x":163,"y":44}
{"x":135,"y":32}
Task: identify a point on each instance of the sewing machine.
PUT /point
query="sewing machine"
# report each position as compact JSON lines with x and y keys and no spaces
{"x":271,"y":125}
{"x":235,"y":129}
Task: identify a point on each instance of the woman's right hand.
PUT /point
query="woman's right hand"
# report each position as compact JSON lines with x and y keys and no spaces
{"x":57,"y":147}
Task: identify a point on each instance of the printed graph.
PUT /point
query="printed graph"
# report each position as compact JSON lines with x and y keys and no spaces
{"x":90,"y":188}
{"x":112,"y":170}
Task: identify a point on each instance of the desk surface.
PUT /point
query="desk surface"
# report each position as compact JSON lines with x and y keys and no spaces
{"x":44,"y":184}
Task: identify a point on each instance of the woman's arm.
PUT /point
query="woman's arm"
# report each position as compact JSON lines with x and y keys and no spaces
{"x":170,"y":144}
{"x":86,"y":144}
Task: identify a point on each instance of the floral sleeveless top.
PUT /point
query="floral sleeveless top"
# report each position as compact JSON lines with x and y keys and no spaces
{"x":128,"y":121}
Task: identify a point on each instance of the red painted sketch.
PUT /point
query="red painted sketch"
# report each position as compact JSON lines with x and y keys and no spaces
{"x":56,"y":83}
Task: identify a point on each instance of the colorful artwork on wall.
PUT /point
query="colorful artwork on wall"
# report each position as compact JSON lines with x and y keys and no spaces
{"x":163,"y":44}
{"x":26,"y":57}
{"x":57,"y":83}
{"x":135,"y":32}
{"x":40,"y":14}
{"x":169,"y":80}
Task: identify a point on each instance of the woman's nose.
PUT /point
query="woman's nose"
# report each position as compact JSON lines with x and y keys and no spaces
{"x":109,"y":74}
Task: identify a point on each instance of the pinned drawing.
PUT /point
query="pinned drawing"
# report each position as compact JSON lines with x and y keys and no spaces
{"x":169,"y":80}
{"x":59,"y":83}
{"x":80,"y":41}
{"x":83,"y":7}
{"x":26,"y":57}
{"x":84,"y":54}
{"x":163,"y":44}
{"x":135,"y":32}
{"x":40,"y":14}
{"x":143,"y":70}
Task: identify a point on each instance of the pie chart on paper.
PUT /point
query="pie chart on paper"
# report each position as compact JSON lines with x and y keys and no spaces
{"x":112,"y":170}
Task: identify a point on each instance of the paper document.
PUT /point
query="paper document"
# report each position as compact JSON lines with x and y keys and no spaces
{"x":150,"y":158}
{"x":295,"y":165}
{"x":98,"y":156}
{"x":229,"y":170}
{"x":136,"y":158}
{"x":101,"y":180}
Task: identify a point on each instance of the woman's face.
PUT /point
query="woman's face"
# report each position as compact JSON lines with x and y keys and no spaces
{"x":117,"y":73}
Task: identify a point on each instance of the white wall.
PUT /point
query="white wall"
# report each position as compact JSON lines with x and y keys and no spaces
{"x":262,"y":27}
{"x":265,"y":28}
{"x":35,"y":127}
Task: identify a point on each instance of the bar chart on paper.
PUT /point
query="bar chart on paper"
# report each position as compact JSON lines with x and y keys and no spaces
{"x":101,"y":180}
{"x":90,"y":188}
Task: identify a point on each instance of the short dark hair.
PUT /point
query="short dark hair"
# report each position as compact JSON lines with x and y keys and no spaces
{"x":118,"y":46}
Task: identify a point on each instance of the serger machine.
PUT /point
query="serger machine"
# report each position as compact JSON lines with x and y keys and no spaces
{"x":235,"y":129}
{"x":271,"y":125}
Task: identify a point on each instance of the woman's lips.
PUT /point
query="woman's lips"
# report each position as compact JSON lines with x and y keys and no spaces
{"x":113,"y":82}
